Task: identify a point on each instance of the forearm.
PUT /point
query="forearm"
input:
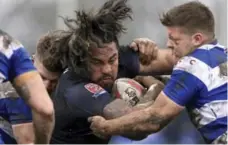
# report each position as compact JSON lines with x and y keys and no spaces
{"x":31,"y":88}
{"x":162,"y":65}
{"x":43,"y":127}
{"x":118,"y":108}
{"x":134,"y":122}
{"x":115,"y":110}
{"x":154,"y":90}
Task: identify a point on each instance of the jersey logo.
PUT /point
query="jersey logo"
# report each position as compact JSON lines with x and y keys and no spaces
{"x":192,"y":61}
{"x":95,"y":89}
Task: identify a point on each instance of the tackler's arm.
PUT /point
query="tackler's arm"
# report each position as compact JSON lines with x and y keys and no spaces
{"x":118,"y":108}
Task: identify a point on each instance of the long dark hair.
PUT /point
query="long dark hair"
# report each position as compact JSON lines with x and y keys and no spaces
{"x":93,"y":30}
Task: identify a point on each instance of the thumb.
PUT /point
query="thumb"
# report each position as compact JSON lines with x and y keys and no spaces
{"x":134,"y":46}
{"x":90,"y":119}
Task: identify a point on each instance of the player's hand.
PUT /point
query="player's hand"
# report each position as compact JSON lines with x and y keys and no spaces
{"x":154,"y":87}
{"x":147,"y":49}
{"x":98,"y":126}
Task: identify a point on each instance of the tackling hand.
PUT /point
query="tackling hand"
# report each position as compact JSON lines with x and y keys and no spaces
{"x":147,"y":49}
{"x":98,"y":126}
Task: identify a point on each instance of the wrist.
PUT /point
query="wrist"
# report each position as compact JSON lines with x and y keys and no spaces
{"x":108,"y":128}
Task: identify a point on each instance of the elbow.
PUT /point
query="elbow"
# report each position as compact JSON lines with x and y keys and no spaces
{"x":47,"y":112}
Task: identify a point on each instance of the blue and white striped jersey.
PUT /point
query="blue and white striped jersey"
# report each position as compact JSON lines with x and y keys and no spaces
{"x":199,"y":82}
{"x":14,"y":60}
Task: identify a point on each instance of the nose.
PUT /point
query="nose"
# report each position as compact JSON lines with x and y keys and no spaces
{"x":169,"y":44}
{"x":107,"y":69}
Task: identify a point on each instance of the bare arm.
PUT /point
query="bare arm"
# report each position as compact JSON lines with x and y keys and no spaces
{"x":153,"y":61}
{"x":153,"y":85}
{"x":31,"y":88}
{"x":162,"y":64}
{"x":24,"y":133}
{"x":118,"y":108}
{"x":145,"y":121}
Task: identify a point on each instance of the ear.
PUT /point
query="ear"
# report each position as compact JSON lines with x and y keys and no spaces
{"x":197,"y":39}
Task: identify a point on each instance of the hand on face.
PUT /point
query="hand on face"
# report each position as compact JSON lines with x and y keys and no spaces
{"x":147,"y":49}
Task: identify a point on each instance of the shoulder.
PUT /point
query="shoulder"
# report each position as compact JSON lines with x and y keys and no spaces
{"x":191,"y":65}
{"x":88,"y":97}
{"x":86,"y":90}
{"x":9,"y":46}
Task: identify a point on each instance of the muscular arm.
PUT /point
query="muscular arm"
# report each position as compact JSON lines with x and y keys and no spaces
{"x":119,"y":107}
{"x":30,"y":86}
{"x":161,"y":65}
{"x":145,"y":121}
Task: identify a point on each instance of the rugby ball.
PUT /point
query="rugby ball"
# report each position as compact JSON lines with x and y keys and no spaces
{"x":129,"y":90}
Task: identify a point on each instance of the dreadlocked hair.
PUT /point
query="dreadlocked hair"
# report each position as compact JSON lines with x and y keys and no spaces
{"x":52,"y":50}
{"x":93,"y":30}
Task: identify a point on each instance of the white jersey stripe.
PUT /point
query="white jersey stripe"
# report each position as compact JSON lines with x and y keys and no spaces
{"x":209,"y":112}
{"x":211,"y":77}
{"x":8,"y":52}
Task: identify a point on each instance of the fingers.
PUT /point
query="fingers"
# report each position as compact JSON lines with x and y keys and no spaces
{"x":97,"y":126}
{"x":147,"y":49}
{"x":134,"y":46}
{"x":90,"y":119}
{"x":143,"y":45}
{"x":94,"y":118}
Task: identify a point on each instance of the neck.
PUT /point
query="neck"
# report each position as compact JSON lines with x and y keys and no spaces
{"x":206,"y":41}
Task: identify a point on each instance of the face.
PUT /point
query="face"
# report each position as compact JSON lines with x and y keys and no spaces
{"x":103,"y":65}
{"x":182,"y":43}
{"x":50,"y":79}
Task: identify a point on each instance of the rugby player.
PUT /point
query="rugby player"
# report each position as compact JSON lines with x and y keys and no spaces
{"x":17,"y":67}
{"x":16,"y":125}
{"x":198,"y":81}
{"x":95,"y":61}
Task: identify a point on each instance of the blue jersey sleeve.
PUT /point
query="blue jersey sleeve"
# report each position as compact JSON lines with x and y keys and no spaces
{"x":184,"y":83}
{"x":20,"y":63}
{"x":128,"y":63}
{"x":181,"y":87}
{"x":14,"y":59}
{"x":19,"y":112}
{"x":87,"y":97}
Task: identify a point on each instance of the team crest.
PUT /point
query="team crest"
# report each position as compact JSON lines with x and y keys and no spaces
{"x":95,"y":89}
